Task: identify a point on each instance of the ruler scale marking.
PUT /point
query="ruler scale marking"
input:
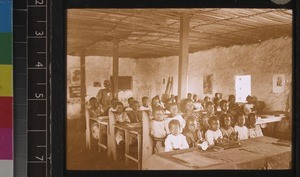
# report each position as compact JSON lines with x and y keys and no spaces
{"x":37,"y":69}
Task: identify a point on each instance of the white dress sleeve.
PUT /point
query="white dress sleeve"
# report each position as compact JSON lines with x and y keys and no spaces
{"x":167,"y":126}
{"x":185,"y":144}
{"x":168,"y":144}
{"x":209,"y":138}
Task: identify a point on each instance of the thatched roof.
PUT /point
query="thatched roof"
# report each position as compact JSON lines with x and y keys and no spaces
{"x":150,"y":33}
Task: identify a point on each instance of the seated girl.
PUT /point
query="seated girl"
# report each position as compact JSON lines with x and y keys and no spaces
{"x":120,"y":117}
{"x":213,"y":133}
{"x":135,"y":115}
{"x":157,"y":130}
{"x":155,"y":102}
{"x":226,"y":126}
{"x":175,"y":140}
{"x":204,"y":124}
{"x":210,"y":109}
{"x":249,"y":106}
{"x":197,"y":103}
{"x":129,"y":107}
{"x":253,"y":129}
{"x":240,"y":127}
{"x":145,"y":104}
{"x":205,"y":101}
{"x":174,"y":115}
{"x":95,"y":109}
{"x":192,"y":134}
{"x":189,"y":111}
{"x":216,"y":101}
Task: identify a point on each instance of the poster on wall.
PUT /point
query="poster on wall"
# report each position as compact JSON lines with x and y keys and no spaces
{"x":75,"y":76}
{"x":207,"y":84}
{"x":279,"y":83}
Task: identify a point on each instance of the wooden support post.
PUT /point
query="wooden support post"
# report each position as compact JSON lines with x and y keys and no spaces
{"x":82,"y":84}
{"x":115,"y":67}
{"x":183,"y":56}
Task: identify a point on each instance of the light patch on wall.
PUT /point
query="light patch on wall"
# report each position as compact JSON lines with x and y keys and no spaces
{"x":242,"y":87}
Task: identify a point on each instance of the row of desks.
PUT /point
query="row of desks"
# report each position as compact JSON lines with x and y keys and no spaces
{"x":134,"y":128}
{"x":257,"y":153}
{"x":237,"y":158}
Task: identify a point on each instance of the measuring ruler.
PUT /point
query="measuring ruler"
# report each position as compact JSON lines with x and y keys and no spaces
{"x":31,"y":64}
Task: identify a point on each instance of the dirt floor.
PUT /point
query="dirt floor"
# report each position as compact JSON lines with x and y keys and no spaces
{"x":80,"y":158}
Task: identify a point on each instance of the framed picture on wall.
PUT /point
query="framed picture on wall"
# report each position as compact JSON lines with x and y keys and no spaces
{"x":207,"y":84}
{"x":279,"y":82}
{"x":75,"y":74}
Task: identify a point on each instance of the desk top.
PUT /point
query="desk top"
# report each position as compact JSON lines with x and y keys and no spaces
{"x":252,"y":154}
{"x":132,"y":127}
{"x":100,"y":119}
{"x":263,"y":119}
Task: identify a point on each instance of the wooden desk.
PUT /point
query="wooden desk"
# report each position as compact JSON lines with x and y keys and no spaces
{"x":256,"y":153}
{"x":138,"y":132}
{"x":102,"y":121}
{"x":265,"y":119}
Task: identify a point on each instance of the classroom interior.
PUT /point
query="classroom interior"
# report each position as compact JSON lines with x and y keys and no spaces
{"x":149,"y":52}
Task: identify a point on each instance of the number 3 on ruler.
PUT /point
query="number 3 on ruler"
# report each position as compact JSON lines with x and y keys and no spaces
{"x":39,"y":2}
{"x":39,"y":33}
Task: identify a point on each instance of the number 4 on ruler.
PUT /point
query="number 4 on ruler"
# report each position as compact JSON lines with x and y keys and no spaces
{"x":39,"y":64}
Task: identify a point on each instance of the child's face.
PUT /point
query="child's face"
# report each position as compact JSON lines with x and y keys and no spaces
{"x":189,"y":106}
{"x":232,"y":100}
{"x":207,"y":99}
{"x":173,"y":110}
{"x":215,"y":125}
{"x":94,"y":103}
{"x":205,"y":121}
{"x":114,"y":103}
{"x":174,"y":129}
{"x":159,"y":115}
{"x":145,"y":102}
{"x":195,"y":98}
{"x":241,"y":121}
{"x":227,"y":121}
{"x":192,"y":126}
{"x":135,"y":106}
{"x":225,"y":107}
{"x":156,"y":102}
{"x":119,"y":109}
{"x":211,"y":108}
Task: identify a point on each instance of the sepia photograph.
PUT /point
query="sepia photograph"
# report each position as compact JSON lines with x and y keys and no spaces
{"x":179,"y":89}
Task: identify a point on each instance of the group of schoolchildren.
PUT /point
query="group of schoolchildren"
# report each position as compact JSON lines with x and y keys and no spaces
{"x":199,"y":121}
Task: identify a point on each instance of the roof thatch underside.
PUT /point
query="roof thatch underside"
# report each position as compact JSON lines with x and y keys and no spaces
{"x":152,"y":33}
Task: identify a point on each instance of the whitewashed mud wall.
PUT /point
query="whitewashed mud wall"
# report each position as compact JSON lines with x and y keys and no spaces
{"x":261,"y":61}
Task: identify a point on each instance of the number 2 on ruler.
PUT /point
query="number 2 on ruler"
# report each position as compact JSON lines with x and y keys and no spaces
{"x":39,"y":2}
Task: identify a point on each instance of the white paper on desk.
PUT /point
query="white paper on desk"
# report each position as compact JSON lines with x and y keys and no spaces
{"x":196,"y":159}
